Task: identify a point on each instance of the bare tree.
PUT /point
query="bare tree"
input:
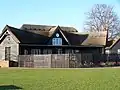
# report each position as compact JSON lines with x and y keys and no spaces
{"x":102,"y":18}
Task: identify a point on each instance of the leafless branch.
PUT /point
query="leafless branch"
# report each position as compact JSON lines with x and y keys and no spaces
{"x":102,"y":17}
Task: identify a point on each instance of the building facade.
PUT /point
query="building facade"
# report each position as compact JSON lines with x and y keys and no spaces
{"x":54,"y":46}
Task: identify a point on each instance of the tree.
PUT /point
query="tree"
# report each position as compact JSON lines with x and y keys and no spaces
{"x":103,"y":18}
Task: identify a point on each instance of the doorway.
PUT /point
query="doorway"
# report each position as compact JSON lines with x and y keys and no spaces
{"x":7,"y":53}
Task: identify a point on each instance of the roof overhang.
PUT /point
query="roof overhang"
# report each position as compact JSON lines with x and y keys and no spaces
{"x":9,"y":31}
{"x":61,"y":45}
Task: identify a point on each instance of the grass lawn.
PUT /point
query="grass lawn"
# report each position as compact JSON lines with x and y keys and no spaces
{"x":60,"y":79}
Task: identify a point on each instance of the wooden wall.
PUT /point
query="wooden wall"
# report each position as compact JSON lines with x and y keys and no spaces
{"x":59,"y":60}
{"x":9,"y":41}
{"x":44,"y":61}
{"x":54,"y":60}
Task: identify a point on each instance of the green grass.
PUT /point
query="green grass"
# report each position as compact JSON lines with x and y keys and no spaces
{"x":61,"y":79}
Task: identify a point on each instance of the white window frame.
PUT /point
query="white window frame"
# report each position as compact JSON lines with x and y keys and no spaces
{"x":57,"y":41}
{"x":118,"y":51}
{"x":107,"y":51}
{"x":36,"y":51}
{"x":60,"y":51}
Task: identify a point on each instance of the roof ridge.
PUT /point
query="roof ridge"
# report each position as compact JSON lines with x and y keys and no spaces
{"x":49,"y":25}
{"x":12,"y":27}
{"x":46,"y":27}
{"x":39,"y":25}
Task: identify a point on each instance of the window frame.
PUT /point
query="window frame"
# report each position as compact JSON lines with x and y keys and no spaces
{"x":57,"y":41}
{"x":118,"y":51}
{"x":7,"y":53}
{"x":107,"y":51}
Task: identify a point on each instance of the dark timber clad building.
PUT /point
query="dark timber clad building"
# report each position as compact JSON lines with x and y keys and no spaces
{"x":50,"y":46}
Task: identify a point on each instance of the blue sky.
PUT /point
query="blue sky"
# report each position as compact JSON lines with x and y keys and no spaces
{"x":49,"y":12}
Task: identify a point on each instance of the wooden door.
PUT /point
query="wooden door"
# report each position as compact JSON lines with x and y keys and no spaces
{"x":7,"y":53}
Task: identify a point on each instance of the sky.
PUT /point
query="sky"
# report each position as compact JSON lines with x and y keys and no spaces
{"x":49,"y":12}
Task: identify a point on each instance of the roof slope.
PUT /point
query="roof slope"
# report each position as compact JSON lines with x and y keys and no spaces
{"x":28,"y":37}
{"x":45,"y":28}
{"x":75,"y":39}
{"x":40,"y":34}
{"x":112,"y":43}
{"x":96,"y":38}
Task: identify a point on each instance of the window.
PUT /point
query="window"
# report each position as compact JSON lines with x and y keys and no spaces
{"x":45,"y":51}
{"x":73,"y":51}
{"x":56,"y":41}
{"x":118,"y":51}
{"x":59,"y":51}
{"x":36,"y":51}
{"x":67,"y":51}
{"x":76,"y":51}
{"x":8,"y":38}
{"x":107,"y":51}
{"x":49,"y":51}
{"x":25,"y":52}
{"x":57,"y":34}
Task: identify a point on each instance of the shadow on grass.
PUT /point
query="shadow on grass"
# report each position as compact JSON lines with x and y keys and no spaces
{"x":9,"y":87}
